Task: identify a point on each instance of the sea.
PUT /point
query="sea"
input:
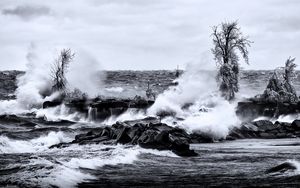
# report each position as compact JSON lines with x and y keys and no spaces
{"x":27,"y":161}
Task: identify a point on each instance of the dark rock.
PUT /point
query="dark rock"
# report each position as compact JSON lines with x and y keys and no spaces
{"x":282,"y":168}
{"x":266,"y":130}
{"x":252,"y":109}
{"x":60,"y":145}
{"x":148,"y":133}
{"x":98,"y":109}
{"x":248,"y":127}
{"x":296,"y":125}
{"x":182,"y":148}
{"x":200,"y":138}
{"x":49,"y":104}
{"x":264,"y":125}
{"x":123,"y":137}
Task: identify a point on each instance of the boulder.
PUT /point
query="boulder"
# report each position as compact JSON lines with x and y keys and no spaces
{"x":264,"y":125}
{"x":282,"y":168}
{"x":49,"y":104}
{"x":123,"y":137}
{"x":296,"y":124}
{"x":153,"y":136}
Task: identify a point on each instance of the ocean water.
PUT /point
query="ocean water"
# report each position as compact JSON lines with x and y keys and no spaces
{"x":27,"y":161}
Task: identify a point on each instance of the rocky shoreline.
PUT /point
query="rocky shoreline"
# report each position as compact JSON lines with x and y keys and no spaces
{"x":265,"y":129}
{"x":251,"y":109}
{"x":147,"y":133}
{"x":150,"y":132}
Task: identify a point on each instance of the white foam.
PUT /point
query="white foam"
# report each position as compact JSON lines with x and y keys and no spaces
{"x":130,"y":114}
{"x":60,"y":170}
{"x":32,"y":146}
{"x":114,"y":89}
{"x":296,"y":164}
{"x":208,"y":112}
{"x":60,"y":112}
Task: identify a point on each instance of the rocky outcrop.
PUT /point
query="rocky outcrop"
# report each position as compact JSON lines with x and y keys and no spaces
{"x":266,"y":130}
{"x":97,"y":109}
{"x":252,"y":109}
{"x":151,"y":135}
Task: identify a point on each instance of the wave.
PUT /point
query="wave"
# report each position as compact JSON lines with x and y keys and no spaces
{"x":55,"y":167}
{"x":40,"y":144}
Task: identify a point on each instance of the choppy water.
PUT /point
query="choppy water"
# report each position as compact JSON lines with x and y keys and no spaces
{"x":26,"y":160}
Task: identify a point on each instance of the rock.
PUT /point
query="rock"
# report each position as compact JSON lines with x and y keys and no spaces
{"x":253,"y":108}
{"x":266,"y":135}
{"x":296,"y":124}
{"x":264,"y":125}
{"x":182,"y":148}
{"x":49,"y":104}
{"x":153,"y":136}
{"x":123,"y":137}
{"x":200,"y":138}
{"x":147,"y":140}
{"x":266,"y":130}
{"x":60,"y":145}
{"x":248,"y":127}
{"x":97,"y":109}
{"x":282,"y":168}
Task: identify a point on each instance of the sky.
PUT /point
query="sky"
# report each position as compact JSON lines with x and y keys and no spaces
{"x":146,"y":34}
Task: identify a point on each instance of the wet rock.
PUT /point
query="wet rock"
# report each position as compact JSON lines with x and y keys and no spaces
{"x":296,"y":125}
{"x":252,"y":108}
{"x":98,"y":109}
{"x":265,"y":129}
{"x":49,"y":104}
{"x":152,"y":135}
{"x":60,"y":145}
{"x":264,"y":125}
{"x":282,"y":168}
{"x":123,"y":137}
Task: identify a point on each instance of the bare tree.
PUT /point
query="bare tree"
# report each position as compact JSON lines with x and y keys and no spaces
{"x":227,"y":41}
{"x":59,"y":70}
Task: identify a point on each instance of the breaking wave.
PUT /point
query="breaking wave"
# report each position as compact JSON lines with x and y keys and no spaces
{"x":40,"y":144}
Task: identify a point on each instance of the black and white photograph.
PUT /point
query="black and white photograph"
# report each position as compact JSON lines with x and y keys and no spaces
{"x":149,"y":93}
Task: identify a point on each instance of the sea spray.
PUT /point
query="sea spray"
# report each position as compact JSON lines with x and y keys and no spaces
{"x":58,"y":113}
{"x":86,"y":74}
{"x":197,"y":102}
{"x":31,"y":86}
{"x":130,"y":114}
{"x":35,"y":86}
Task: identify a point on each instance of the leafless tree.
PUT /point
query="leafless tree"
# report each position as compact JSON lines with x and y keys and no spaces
{"x":59,"y":70}
{"x":228,"y":39}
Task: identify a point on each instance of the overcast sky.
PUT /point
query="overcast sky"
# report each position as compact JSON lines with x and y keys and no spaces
{"x":147,"y":34}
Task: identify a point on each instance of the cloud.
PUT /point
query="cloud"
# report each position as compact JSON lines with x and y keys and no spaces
{"x":27,"y":11}
{"x":148,"y":34}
